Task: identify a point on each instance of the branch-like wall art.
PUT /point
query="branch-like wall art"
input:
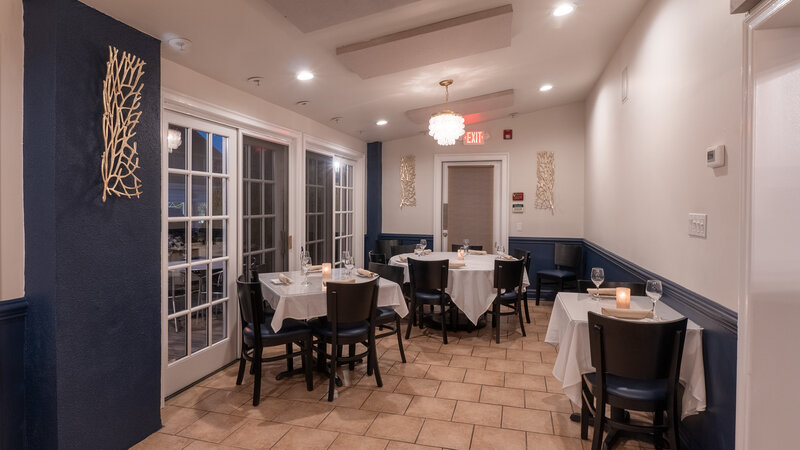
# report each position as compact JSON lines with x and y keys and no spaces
{"x":408,"y":174}
{"x":122,"y":94}
{"x":546,"y":179}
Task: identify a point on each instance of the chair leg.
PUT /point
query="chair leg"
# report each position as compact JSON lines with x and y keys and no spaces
{"x":421,"y":316}
{"x":308,"y":358}
{"x":242,"y":366}
{"x":527,"y":313}
{"x":538,"y":288}
{"x":352,"y":349}
{"x":373,"y":355}
{"x":289,"y":359}
{"x":599,"y":415}
{"x":334,"y":363}
{"x":496,"y":316}
{"x":519,"y":313}
{"x":411,"y":320}
{"x":444,"y":324}
{"x":584,"y":419}
{"x":672,"y":431}
{"x":399,"y":338}
{"x":257,"y":374}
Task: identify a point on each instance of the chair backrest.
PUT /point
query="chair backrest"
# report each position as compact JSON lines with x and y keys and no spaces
{"x":251,"y":301}
{"x":350,"y":303}
{"x":377,"y":257}
{"x":568,"y":255}
{"x":262,"y":268}
{"x":455,"y":247}
{"x":391,"y":273}
{"x":428,"y":275}
{"x":524,"y":255}
{"x":400,"y":249}
{"x":635,"y":287}
{"x":638,"y":350}
{"x":508,"y":274}
{"x":385,"y":245}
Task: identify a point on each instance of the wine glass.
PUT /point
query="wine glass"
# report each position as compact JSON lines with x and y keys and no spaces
{"x":349,"y":263}
{"x":598,"y":276}
{"x":345,"y":257}
{"x":654,"y":290}
{"x":423,"y":243}
{"x":305,"y":265}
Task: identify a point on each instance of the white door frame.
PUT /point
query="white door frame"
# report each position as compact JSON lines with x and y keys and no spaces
{"x":438,"y":178}
{"x":744,"y":387}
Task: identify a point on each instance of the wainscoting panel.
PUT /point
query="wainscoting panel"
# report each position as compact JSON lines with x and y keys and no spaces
{"x":542,"y":258}
{"x":12,"y":373}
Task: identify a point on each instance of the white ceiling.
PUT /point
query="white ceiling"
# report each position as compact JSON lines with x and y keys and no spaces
{"x":237,"y":39}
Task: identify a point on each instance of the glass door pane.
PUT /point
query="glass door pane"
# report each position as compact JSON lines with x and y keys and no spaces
{"x":343,"y":213}
{"x":265,"y":206}
{"x":319,"y":207}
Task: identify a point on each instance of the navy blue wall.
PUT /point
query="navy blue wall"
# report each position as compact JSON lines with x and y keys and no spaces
{"x":408,"y":239}
{"x":12,"y":373}
{"x":92,"y":269}
{"x":374,"y":201}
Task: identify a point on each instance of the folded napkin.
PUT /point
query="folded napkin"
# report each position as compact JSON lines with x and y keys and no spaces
{"x":403,"y":258}
{"x":347,"y":281}
{"x":317,"y":268}
{"x":457,"y":264}
{"x":608,"y":292}
{"x":628,"y":313}
{"x":427,"y":251}
{"x":507,"y":256}
{"x":366,"y":273}
{"x":477,"y":252}
{"x":284,"y":279}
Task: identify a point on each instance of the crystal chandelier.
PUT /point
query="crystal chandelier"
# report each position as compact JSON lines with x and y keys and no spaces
{"x":446,"y":126}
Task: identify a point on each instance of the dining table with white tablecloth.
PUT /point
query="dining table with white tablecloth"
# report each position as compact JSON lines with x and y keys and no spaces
{"x":303,"y":302}
{"x":569,"y":330}
{"x":471,"y":287}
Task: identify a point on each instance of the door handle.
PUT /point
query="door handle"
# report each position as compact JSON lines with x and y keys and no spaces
{"x":444,"y":233}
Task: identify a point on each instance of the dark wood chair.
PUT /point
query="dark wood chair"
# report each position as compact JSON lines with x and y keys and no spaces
{"x":635,"y":287}
{"x":377,"y":257}
{"x":508,"y":278}
{"x":400,"y":249}
{"x":568,"y":260}
{"x":385,"y":246}
{"x":386,"y":316}
{"x":262,"y":268}
{"x":524,"y":255}
{"x":637,"y":368}
{"x":428,"y":284}
{"x":257,"y":333}
{"x":350,"y":320}
{"x":455,"y":247}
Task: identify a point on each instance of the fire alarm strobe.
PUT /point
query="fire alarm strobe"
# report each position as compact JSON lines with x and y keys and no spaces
{"x":507,"y":134}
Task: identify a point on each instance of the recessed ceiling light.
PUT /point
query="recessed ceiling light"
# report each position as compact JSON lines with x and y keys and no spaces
{"x":304,"y":75}
{"x":563,"y":9}
{"x":381,"y":122}
{"x":180,"y":44}
{"x":545,"y":87}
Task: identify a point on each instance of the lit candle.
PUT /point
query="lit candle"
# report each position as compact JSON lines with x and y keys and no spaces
{"x":623,"y":298}
{"x":461,"y":253}
{"x":326,"y":271}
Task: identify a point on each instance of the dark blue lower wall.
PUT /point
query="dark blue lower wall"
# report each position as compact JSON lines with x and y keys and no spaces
{"x":12,"y":373}
{"x":408,"y":239}
{"x":92,"y":269}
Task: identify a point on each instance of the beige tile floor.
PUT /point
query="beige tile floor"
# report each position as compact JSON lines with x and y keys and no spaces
{"x":471,"y":393}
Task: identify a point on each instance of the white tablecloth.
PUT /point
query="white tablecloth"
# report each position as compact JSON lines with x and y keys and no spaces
{"x":569,"y":329}
{"x":471,"y":287}
{"x":296,"y":301}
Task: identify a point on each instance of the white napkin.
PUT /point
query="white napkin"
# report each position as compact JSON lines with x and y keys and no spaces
{"x":507,"y":256}
{"x":427,"y":251}
{"x":477,"y":252}
{"x":605,"y":292}
{"x":317,"y":268}
{"x":403,"y":258}
{"x":634,"y":314}
{"x":284,"y":279}
{"x":455,"y":264}
{"x":366,"y":273}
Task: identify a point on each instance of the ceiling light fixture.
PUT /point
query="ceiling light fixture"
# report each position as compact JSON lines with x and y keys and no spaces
{"x":180,"y":44}
{"x":546,"y":87}
{"x":304,"y":75}
{"x":381,"y":122}
{"x":446,"y":126}
{"x":563,"y":9}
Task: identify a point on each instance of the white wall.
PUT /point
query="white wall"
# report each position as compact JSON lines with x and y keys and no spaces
{"x":560,"y":130}
{"x":645,"y":159}
{"x":188,"y":82}
{"x":773,"y":306}
{"x":12,"y":241}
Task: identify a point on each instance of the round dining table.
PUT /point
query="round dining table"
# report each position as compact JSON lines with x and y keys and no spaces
{"x":471,"y":287}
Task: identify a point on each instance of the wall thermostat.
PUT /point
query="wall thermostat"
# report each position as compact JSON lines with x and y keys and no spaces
{"x":715,"y":156}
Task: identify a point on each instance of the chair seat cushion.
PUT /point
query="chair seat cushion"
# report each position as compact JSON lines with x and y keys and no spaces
{"x":291,"y":329}
{"x":385,"y":314}
{"x":633,"y":389}
{"x":431,"y":297}
{"x":322,"y":327}
{"x":508,"y":297}
{"x":556,"y":273}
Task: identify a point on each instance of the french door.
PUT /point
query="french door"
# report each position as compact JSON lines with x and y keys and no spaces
{"x":199,"y":307}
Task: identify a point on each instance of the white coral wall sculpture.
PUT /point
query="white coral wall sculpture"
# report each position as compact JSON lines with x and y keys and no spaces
{"x":546,"y":179}
{"x":408,"y":174}
{"x":122,"y":95}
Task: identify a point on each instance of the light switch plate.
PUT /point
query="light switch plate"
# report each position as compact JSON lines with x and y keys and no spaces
{"x":519,"y":226}
{"x":697,"y":225}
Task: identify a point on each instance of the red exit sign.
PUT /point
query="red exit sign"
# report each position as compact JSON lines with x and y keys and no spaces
{"x":473,"y":138}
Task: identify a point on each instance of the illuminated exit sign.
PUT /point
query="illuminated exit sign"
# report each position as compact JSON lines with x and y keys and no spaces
{"x":473,"y":138}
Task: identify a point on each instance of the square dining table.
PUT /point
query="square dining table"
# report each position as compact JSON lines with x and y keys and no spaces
{"x":569,"y":330}
{"x":296,"y":301}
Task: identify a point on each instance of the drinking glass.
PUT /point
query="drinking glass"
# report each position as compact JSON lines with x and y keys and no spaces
{"x":345,"y":257}
{"x":423,"y":243}
{"x":598,"y":276}
{"x":418,"y":249}
{"x":348,"y":261}
{"x":305,"y":265}
{"x":653,"y":290}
